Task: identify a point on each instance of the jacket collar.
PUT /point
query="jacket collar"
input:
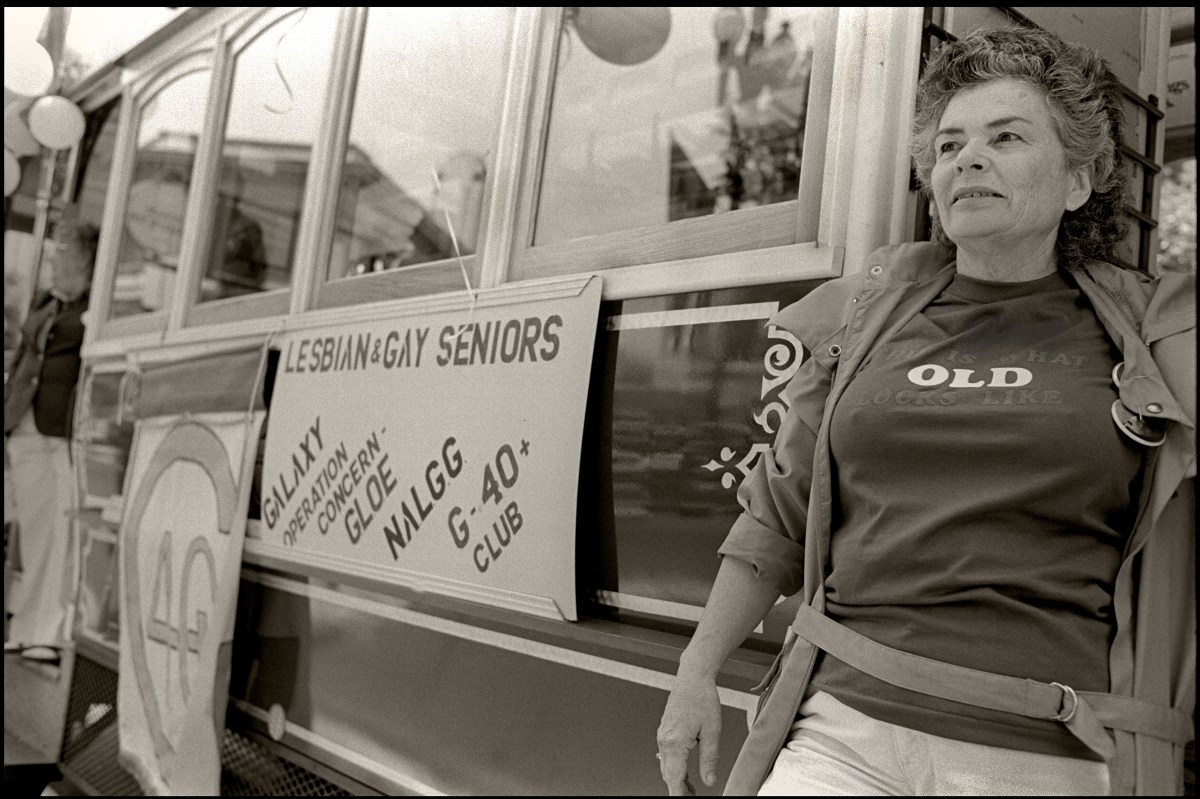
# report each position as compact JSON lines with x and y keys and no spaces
{"x":901,"y":264}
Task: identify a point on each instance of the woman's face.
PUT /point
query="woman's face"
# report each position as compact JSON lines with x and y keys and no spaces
{"x":72,"y":273}
{"x":1000,"y":180}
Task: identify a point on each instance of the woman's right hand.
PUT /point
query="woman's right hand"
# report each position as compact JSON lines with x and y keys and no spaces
{"x":738,"y":601}
{"x":692,"y":715}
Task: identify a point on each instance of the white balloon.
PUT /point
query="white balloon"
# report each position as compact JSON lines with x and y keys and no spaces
{"x":28,"y":69}
{"x":12,"y":98}
{"x":12,"y":173}
{"x":16,"y":133}
{"x":623,"y":36}
{"x":56,"y":122}
{"x":24,"y":22}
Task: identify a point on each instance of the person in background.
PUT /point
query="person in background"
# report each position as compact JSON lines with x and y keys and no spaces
{"x":39,"y":401}
{"x":985,"y":483}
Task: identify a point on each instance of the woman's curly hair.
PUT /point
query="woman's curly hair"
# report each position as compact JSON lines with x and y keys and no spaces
{"x":1085,"y":110}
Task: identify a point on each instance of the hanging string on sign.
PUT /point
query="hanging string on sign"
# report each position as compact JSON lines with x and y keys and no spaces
{"x":437,"y":191}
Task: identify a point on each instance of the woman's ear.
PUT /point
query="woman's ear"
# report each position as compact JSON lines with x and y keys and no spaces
{"x":1080,"y":189}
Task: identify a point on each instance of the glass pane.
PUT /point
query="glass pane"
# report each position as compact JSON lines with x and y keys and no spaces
{"x":98,"y":587}
{"x":693,"y":393}
{"x":106,"y":432}
{"x":447,"y":72}
{"x":655,"y":118}
{"x":168,"y":131}
{"x":276,"y":106}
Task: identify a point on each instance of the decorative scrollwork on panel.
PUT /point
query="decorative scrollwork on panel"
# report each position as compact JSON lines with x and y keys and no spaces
{"x":733,"y":471}
{"x":780,"y":362}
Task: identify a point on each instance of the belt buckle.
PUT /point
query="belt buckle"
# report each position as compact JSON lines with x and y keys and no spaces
{"x":1070,"y":703}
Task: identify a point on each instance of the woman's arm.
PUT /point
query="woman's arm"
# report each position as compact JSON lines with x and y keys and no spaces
{"x":763,"y":555}
{"x":738,"y":602}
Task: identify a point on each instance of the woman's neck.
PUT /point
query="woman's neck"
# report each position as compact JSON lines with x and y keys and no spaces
{"x":1001,"y":265}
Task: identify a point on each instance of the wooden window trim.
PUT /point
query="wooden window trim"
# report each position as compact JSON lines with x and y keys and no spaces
{"x":191,"y":60}
{"x":274,"y":303}
{"x":780,"y":224}
{"x":418,"y":280}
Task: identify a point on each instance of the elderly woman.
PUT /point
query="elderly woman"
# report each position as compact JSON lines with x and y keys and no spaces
{"x":984,"y":484}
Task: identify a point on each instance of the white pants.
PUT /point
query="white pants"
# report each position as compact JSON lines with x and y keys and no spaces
{"x":44,"y":485}
{"x":834,"y":750}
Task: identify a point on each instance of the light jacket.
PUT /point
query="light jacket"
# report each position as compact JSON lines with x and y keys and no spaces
{"x":1153,"y":654}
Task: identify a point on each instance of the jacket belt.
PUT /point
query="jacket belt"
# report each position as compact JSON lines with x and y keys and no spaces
{"x":1085,"y":713}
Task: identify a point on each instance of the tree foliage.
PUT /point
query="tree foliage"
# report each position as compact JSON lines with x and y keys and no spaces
{"x":1177,"y":217}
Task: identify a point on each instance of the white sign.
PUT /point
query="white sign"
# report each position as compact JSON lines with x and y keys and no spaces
{"x":187,"y":490}
{"x":1181,"y":86}
{"x":438,"y":451}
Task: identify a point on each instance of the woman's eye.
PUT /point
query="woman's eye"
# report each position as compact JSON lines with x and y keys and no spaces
{"x":1007,"y":136}
{"x":947,"y":147}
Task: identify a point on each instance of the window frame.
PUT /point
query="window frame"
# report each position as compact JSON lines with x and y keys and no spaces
{"x":394,"y":285}
{"x":267,"y":306}
{"x":135,"y":96}
{"x":852,"y":162}
{"x":677,"y":246}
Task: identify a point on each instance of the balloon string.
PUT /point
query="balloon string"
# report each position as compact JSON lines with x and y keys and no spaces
{"x":279,"y":70}
{"x":437,"y":184}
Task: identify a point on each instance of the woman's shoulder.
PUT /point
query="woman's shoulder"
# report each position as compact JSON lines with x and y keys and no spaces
{"x":1172,"y":306}
{"x":1162,"y":305}
{"x":822,"y":311}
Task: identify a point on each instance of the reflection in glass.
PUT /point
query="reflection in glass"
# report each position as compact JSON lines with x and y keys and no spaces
{"x":447,"y":74}
{"x":168,"y":132}
{"x":711,"y":122}
{"x":106,"y":431}
{"x":276,"y":105}
{"x":98,"y":605}
{"x":695,"y":394}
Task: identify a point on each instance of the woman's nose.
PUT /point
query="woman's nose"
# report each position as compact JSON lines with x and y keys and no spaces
{"x":971,"y":156}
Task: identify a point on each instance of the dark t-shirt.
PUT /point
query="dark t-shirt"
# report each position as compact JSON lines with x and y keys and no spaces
{"x":985,"y":497}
